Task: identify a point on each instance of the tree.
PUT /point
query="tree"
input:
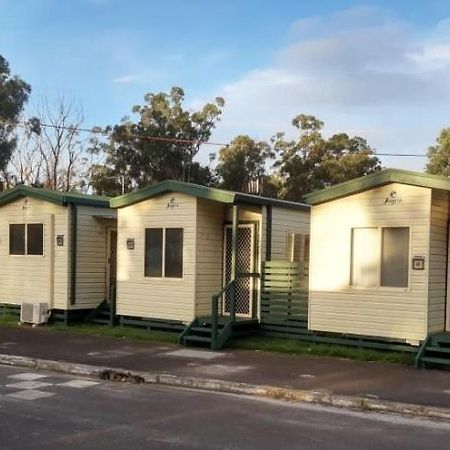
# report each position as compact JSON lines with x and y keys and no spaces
{"x":59,"y":144}
{"x":314,"y":162}
{"x":241,"y":162}
{"x":14,"y":93}
{"x":161,"y":144}
{"x":439,"y":155}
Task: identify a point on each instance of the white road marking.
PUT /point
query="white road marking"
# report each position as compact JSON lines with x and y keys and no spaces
{"x":30,"y":394}
{"x":78,"y":384}
{"x":200,"y":354}
{"x":28,"y":376}
{"x":29,"y":385}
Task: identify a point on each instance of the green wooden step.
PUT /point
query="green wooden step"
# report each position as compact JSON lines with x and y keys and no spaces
{"x":435,"y":360}
{"x":437,"y":349}
{"x":194,"y":338}
{"x":100,"y":321}
{"x":201,"y":330}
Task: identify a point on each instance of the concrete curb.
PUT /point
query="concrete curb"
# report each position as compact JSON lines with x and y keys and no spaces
{"x":233,"y":387}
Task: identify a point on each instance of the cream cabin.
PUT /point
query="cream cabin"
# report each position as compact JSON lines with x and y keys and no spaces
{"x":180,"y":244}
{"x":379,"y":257}
{"x":56,"y":248}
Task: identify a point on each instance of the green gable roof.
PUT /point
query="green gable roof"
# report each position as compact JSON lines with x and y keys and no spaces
{"x":60,"y":198}
{"x":217,"y":195}
{"x":378,"y":179}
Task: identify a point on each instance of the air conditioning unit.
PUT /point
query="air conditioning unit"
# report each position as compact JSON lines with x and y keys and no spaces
{"x":35,"y":313}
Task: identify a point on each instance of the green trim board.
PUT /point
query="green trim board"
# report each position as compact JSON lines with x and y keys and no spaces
{"x":204,"y":192}
{"x":60,"y":198}
{"x":376,"y":179}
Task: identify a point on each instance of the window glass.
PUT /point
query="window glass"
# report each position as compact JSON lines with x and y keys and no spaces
{"x":153,"y":252}
{"x":365,"y":257}
{"x":35,"y":239}
{"x":174,"y":253}
{"x":295,"y":248}
{"x":17,"y":239}
{"x":395,"y":257}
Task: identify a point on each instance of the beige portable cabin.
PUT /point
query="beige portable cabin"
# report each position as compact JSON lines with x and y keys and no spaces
{"x":179,"y":244}
{"x":379,"y":257}
{"x":56,"y":248}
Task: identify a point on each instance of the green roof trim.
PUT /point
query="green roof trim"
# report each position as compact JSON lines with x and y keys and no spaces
{"x":60,"y":198}
{"x":378,"y":179}
{"x":196,"y":190}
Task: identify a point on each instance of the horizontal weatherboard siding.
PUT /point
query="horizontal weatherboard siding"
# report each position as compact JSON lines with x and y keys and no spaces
{"x":336,"y":306}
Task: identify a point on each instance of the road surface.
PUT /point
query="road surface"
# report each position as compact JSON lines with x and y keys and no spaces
{"x":49,"y":411}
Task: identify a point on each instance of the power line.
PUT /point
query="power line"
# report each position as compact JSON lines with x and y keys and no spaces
{"x":126,"y":135}
{"x":180,"y":141}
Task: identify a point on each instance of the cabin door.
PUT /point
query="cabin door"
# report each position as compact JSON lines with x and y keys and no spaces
{"x":111,"y":274}
{"x":245,"y":263}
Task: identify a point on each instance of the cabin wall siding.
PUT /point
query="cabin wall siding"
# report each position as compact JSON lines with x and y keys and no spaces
{"x":209,"y":273}
{"x":335,"y":306}
{"x":286,"y":221}
{"x":163,"y":298}
{"x":92,"y":256}
{"x":35,"y":278}
{"x":438,"y":261}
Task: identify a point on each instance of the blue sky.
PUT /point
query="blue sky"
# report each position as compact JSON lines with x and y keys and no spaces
{"x":377,"y":69}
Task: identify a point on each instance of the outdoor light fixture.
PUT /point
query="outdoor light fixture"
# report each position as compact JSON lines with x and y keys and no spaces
{"x":130,"y":244}
{"x":418,"y":263}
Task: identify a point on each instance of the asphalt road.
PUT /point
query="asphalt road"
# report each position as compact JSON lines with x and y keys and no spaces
{"x":49,"y":411}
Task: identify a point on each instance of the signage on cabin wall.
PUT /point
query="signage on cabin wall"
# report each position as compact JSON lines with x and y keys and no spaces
{"x":418,"y":263}
{"x":130,"y":244}
{"x":172,"y":203}
{"x":392,"y":199}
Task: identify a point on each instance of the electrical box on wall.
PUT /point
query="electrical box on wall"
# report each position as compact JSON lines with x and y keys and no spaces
{"x":60,"y":240}
{"x":130,"y":244}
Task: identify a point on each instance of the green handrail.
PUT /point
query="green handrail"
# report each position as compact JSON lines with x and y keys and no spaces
{"x":215,"y":311}
{"x":231,"y":285}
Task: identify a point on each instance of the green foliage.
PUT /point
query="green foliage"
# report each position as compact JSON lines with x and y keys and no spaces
{"x":314,"y":162}
{"x":439,"y":155}
{"x":14,"y":93}
{"x":242,"y":161}
{"x":139,"y":153}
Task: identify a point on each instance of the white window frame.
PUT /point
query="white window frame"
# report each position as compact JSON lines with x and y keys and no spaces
{"x":163,"y":256}
{"x":25,"y":254}
{"x":380,"y":250}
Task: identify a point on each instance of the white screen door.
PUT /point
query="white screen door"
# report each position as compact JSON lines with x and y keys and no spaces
{"x":245,"y":262}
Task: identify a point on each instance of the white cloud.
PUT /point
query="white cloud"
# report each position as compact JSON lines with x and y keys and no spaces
{"x":360,"y":71}
{"x":125,"y":79}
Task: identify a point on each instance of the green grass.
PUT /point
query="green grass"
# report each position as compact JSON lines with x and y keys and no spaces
{"x":9,"y":320}
{"x":131,"y":333}
{"x":294,"y":347}
{"x":258,"y":343}
{"x":135,"y":334}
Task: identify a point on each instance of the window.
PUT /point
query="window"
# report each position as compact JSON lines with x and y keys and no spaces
{"x":153,"y":252}
{"x":297,"y":247}
{"x":26,"y":239}
{"x":164,"y":252}
{"x":17,"y":239}
{"x":380,"y":257}
{"x":394,"y":257}
{"x":173,"y":261}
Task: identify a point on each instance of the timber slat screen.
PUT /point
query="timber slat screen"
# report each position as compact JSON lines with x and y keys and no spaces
{"x":284,"y":298}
